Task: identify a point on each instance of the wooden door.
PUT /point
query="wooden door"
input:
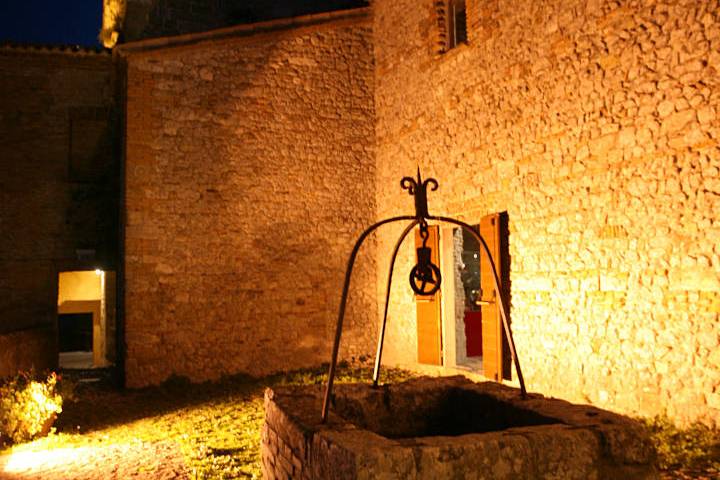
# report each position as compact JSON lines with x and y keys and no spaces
{"x":429,"y":336}
{"x":493,"y":229}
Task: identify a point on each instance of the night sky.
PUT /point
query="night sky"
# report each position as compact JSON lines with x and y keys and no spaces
{"x":78,"y":22}
{"x":58,"y":22}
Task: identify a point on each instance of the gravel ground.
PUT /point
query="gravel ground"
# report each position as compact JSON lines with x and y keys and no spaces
{"x":103,"y":461}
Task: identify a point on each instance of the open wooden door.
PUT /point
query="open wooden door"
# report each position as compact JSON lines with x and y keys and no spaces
{"x":429,"y":336}
{"x":496,"y":361}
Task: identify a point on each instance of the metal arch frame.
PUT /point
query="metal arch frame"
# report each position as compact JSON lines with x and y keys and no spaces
{"x":418,"y":190}
{"x":381,"y":337}
{"x":343,"y":304}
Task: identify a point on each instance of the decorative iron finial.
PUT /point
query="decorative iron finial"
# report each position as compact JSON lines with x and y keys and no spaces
{"x":418,"y":189}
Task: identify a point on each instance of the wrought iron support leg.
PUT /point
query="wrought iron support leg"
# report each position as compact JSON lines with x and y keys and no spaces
{"x":381,"y":337}
{"x":496,"y":280}
{"x":343,"y":302}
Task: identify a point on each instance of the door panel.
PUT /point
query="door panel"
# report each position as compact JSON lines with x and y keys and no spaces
{"x":491,"y":322}
{"x":429,"y":336}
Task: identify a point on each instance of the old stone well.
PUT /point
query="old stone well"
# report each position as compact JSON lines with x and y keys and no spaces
{"x":442,"y":427}
{"x":446,"y":427}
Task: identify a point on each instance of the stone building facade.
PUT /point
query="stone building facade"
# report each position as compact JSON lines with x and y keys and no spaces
{"x":594,"y":125}
{"x":249,"y":170}
{"x":254,"y":156}
{"x":57,"y":188}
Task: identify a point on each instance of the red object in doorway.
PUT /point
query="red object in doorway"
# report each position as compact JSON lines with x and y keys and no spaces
{"x":473,"y":333}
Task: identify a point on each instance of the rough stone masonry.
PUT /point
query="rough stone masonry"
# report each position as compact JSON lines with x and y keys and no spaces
{"x":493,"y":434}
{"x":594,"y":125}
{"x":250,"y":170}
{"x":58,"y":189}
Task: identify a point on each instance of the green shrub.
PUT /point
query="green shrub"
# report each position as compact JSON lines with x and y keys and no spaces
{"x":28,"y":406}
{"x":695,"y":447}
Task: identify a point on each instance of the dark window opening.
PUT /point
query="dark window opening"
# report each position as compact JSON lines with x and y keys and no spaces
{"x":90,"y":143}
{"x":457,"y":17}
{"x":75,"y":332}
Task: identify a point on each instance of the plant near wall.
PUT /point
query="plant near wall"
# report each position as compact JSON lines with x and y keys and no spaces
{"x":29,"y":406}
{"x":695,"y":448}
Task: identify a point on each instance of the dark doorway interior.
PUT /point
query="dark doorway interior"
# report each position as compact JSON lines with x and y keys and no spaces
{"x":468,"y":332}
{"x":75,"y":332}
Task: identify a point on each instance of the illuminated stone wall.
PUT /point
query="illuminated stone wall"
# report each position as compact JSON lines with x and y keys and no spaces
{"x":595,"y":127}
{"x":57,"y":174}
{"x":249,"y":175}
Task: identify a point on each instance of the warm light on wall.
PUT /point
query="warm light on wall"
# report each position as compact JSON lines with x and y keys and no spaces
{"x":80,"y":285}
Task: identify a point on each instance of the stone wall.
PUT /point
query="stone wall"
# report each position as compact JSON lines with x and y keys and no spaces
{"x":594,"y":125}
{"x":249,"y":175}
{"x":56,"y":187}
{"x":27,"y":349}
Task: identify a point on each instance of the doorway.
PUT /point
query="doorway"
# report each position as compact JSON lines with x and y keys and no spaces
{"x":467,"y":293}
{"x":86,"y":319}
{"x":474,"y":338}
